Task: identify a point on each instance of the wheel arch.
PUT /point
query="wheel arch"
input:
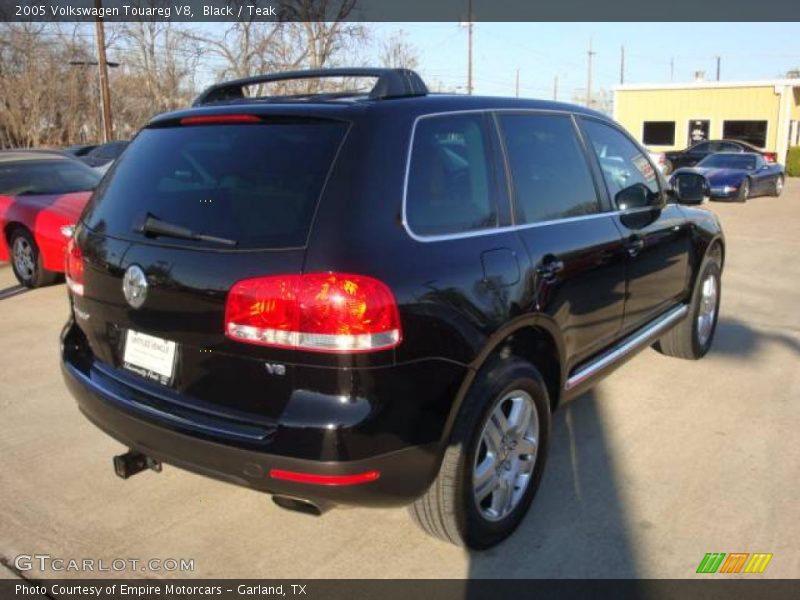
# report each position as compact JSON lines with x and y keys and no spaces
{"x":534,"y":338}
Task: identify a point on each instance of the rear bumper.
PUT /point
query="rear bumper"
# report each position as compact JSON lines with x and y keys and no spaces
{"x":405,"y":474}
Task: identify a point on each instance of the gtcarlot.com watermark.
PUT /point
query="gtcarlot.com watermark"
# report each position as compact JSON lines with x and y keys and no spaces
{"x":57,"y":564}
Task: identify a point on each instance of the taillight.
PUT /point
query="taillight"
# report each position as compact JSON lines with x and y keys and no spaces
{"x":320,"y":312}
{"x":211,"y":119}
{"x":74,"y":268}
{"x":770,"y":156}
{"x":314,"y":479}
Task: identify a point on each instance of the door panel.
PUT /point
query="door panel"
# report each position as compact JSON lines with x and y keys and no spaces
{"x":577,"y":263}
{"x":577,"y":277}
{"x":655,"y":236}
{"x":657,"y":264}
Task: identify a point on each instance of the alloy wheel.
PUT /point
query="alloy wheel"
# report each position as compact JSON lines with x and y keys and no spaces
{"x":708,"y":309}
{"x":24,"y":260}
{"x":506,"y":455}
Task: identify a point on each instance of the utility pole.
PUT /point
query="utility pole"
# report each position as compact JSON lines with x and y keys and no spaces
{"x":590,"y":54}
{"x":555,"y":88}
{"x":718,"y":61}
{"x":517,"y":86}
{"x":621,"y":65}
{"x":105,"y":92}
{"x":671,"y":69}
{"x":469,"y":47}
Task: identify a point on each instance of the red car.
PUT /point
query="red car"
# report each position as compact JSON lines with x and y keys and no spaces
{"x":42,"y":194}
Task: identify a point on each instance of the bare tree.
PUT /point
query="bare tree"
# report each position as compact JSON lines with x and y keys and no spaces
{"x":34,"y":57}
{"x":398,"y":53}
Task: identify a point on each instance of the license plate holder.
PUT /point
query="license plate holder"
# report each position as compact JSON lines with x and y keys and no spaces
{"x":150,"y":356}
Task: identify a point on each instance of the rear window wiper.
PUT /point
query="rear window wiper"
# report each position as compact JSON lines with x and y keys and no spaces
{"x":154,"y":227}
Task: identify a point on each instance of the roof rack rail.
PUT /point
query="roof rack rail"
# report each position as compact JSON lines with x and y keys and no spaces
{"x":392,"y":83}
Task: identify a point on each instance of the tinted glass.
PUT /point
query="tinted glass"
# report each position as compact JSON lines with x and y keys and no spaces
{"x":729,"y":147}
{"x":730,"y":161}
{"x":46,"y":177}
{"x":754,"y":132}
{"x":658,"y":133}
{"x":630,"y":177}
{"x":449,"y":180}
{"x":548,"y":167}
{"x":257,"y":184}
{"x":704,"y":147}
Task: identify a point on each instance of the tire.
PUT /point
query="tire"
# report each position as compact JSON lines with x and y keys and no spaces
{"x":692,"y":338}
{"x":777,"y":186}
{"x":449,"y":510}
{"x":26,"y":260}
{"x":744,"y":191}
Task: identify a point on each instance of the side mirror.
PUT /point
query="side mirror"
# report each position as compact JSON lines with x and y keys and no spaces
{"x":689,"y":188}
{"x":638,"y":195}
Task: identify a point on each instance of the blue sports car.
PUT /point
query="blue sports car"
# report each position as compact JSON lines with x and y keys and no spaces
{"x":738,"y":175}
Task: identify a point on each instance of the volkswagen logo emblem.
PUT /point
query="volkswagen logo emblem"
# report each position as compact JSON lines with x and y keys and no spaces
{"x":134,"y":286}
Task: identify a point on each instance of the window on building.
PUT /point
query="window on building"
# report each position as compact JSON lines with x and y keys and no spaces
{"x":549,"y":169}
{"x":658,"y":133}
{"x":754,"y":132}
{"x":449,"y":184}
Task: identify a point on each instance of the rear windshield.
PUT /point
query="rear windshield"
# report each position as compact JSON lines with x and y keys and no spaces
{"x":256,"y":184}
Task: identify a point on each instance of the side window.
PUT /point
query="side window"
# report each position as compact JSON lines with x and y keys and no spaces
{"x":551,"y":177}
{"x":631,"y":178}
{"x":703,"y":147}
{"x":449,"y":181}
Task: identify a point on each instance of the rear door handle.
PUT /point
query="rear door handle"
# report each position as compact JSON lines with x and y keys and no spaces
{"x":634,"y":245}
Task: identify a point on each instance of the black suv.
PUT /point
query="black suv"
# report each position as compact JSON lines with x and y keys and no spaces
{"x":376,"y":298}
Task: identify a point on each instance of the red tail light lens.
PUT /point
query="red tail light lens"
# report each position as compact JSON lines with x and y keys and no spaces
{"x":211,"y":119}
{"x":770,"y":156}
{"x":74,"y":268}
{"x":321,"y":312}
{"x":313,"y":479}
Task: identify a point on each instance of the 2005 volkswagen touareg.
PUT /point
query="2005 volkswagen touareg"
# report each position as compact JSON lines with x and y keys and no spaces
{"x":376,"y":298}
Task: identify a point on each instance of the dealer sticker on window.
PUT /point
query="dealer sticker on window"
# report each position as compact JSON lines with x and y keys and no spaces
{"x":149,"y":356}
{"x":644,"y":167}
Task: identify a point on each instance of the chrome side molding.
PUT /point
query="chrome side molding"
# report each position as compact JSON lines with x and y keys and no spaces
{"x":639,"y":338}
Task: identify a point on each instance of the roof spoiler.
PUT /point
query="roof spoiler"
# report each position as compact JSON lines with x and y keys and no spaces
{"x":392,"y":83}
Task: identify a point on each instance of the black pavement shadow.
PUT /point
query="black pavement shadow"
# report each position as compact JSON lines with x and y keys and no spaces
{"x":576,"y":527}
{"x":738,"y":339}
{"x":14,"y":290}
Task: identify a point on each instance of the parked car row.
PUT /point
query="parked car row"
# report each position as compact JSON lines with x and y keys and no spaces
{"x":694,"y":154}
{"x":738,"y":175}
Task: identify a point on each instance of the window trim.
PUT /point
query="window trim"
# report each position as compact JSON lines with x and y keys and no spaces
{"x":674,"y":128}
{"x":604,"y":207}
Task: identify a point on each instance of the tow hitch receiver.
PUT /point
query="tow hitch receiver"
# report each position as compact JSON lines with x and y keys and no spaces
{"x":129,"y":464}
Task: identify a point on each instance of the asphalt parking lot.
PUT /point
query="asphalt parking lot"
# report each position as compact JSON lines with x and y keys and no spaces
{"x":664,"y":461}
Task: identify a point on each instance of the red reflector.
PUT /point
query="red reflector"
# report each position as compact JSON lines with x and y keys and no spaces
{"x":206,"y":119}
{"x":354,"y":479}
{"x":74,"y":268}
{"x":319,"y":312}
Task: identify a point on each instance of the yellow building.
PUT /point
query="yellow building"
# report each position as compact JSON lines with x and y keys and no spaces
{"x":675,"y":115}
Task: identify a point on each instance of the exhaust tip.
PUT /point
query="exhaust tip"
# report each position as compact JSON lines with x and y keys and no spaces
{"x":299,"y":505}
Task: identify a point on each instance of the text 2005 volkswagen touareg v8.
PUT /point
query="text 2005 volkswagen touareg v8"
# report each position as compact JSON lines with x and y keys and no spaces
{"x":376,"y":298}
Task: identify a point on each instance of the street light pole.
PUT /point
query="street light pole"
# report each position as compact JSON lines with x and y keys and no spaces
{"x":469,"y":47}
{"x":105,"y":92}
